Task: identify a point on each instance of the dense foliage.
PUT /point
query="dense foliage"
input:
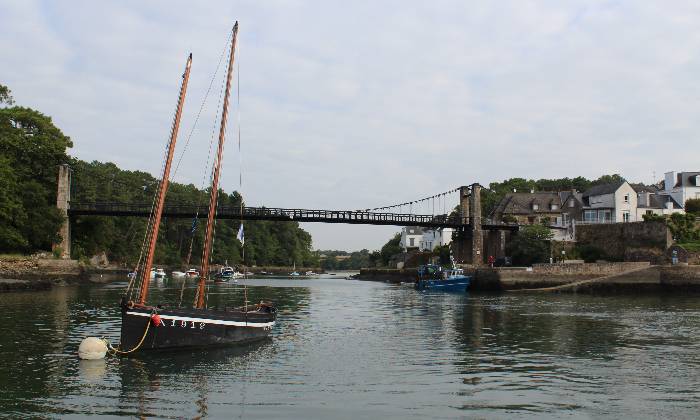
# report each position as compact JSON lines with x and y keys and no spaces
{"x":31,"y":148}
{"x":342,"y":260}
{"x":530,"y":245}
{"x":693,"y":206}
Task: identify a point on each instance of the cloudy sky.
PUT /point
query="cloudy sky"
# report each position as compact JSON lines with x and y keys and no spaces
{"x":350,"y":105}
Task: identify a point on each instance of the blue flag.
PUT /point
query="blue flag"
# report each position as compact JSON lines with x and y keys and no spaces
{"x":240,"y":235}
{"x":194,"y":225}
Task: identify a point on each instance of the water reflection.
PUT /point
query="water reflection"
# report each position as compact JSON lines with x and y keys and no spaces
{"x":347,"y":349}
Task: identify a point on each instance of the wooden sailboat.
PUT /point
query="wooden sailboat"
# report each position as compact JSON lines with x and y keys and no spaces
{"x":146,"y":326}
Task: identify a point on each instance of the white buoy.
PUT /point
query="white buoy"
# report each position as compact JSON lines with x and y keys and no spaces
{"x":92,"y":348}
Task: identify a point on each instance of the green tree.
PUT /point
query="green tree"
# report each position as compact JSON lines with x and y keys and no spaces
{"x":31,"y":148}
{"x":6,"y":95}
{"x":692,"y":205}
{"x":530,"y":245}
{"x":390,"y":249}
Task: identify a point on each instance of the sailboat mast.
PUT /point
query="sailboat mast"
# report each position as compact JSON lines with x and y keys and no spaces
{"x":209,"y":233}
{"x":163,"y":187}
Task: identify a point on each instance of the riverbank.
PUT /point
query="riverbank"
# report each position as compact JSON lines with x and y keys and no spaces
{"x":26,"y":273}
{"x":567,"y":278}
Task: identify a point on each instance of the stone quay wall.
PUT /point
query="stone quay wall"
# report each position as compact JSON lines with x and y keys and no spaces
{"x":547,"y":275}
{"x":636,"y":241}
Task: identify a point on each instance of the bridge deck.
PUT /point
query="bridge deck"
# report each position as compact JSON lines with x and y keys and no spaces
{"x":280,"y":214}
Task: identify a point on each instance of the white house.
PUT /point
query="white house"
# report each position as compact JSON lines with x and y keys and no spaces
{"x":652,"y":201}
{"x":610,"y":203}
{"x":411,"y":237}
{"x":682,"y":186}
{"x":433,"y":238}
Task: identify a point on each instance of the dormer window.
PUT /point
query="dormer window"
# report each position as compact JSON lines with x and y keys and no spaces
{"x":555,"y":207}
{"x":572,"y":203}
{"x":535,"y":206}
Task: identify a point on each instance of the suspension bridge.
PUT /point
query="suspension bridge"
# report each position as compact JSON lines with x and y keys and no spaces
{"x":466,"y":220}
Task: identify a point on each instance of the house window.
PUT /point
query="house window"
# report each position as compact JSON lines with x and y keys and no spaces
{"x":590,"y":216}
{"x":410,"y":241}
{"x":565,"y":219}
{"x":627,"y":198}
{"x":572,"y":203}
{"x":555,"y":207}
{"x":606,"y":216}
{"x":650,"y":212}
{"x":535,"y":206}
{"x":625,"y":216}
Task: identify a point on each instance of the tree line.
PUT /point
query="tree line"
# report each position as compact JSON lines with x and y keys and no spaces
{"x":32,"y":148}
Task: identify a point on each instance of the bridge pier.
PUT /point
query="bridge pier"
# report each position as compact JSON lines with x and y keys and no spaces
{"x":62,"y":200}
{"x":469,"y":246}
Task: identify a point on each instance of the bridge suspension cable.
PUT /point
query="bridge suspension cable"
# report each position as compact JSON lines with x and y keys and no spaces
{"x":422,"y":203}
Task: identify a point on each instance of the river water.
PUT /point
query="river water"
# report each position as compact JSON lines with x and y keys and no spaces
{"x":350,"y":349}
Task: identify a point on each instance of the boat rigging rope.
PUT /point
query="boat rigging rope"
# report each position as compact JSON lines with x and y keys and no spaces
{"x":151,"y":218}
{"x":201,"y":107}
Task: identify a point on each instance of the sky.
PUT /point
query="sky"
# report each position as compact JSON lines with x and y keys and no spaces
{"x":352,"y":105}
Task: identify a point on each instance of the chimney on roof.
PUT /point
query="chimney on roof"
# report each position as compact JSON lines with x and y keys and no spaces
{"x":668,"y":180}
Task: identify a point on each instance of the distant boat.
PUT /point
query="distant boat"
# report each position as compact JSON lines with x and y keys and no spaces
{"x":294,"y":272}
{"x":178,"y":274}
{"x":191,"y":273}
{"x":309,"y":273}
{"x":434,"y":277}
{"x":225,"y":274}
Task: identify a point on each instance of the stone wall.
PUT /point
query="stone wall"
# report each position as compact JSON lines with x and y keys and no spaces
{"x":547,"y":275}
{"x":637,"y":241}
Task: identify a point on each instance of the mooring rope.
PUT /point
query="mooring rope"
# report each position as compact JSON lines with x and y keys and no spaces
{"x":116,"y":350}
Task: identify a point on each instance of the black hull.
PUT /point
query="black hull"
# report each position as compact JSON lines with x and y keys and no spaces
{"x":183,"y":328}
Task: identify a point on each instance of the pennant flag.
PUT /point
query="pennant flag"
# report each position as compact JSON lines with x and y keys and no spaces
{"x":240,"y":235}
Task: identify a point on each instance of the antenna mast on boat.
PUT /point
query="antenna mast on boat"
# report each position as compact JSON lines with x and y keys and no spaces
{"x":163,"y":187}
{"x":209,"y":233}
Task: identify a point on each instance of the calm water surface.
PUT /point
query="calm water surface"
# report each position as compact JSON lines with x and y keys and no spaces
{"x":350,"y":349}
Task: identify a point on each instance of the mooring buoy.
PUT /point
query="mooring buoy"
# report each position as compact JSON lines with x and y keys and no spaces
{"x":92,"y":348}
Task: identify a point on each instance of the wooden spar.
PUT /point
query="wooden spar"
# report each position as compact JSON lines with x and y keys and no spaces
{"x":209,"y":233}
{"x":163,"y":187}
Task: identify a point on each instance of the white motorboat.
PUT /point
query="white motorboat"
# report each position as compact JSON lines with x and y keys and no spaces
{"x":178,"y":274}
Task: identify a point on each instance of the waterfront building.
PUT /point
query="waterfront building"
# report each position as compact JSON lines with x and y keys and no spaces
{"x":610,"y":203}
{"x":433,"y":238}
{"x":411,"y":236}
{"x":529,"y":208}
{"x":651,"y":200}
{"x":682,"y":186}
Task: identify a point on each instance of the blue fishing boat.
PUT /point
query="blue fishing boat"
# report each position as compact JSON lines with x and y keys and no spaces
{"x":434,"y":277}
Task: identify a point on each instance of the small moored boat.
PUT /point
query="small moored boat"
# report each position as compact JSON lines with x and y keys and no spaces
{"x":434,"y":277}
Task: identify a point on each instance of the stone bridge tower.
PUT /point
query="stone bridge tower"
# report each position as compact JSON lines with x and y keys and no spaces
{"x":469,"y":245}
{"x":62,"y":203}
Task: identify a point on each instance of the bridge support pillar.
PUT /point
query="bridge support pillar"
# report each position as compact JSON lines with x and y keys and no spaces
{"x":62,"y":200}
{"x":464,"y":203}
{"x":477,"y":235}
{"x":469,"y":245}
